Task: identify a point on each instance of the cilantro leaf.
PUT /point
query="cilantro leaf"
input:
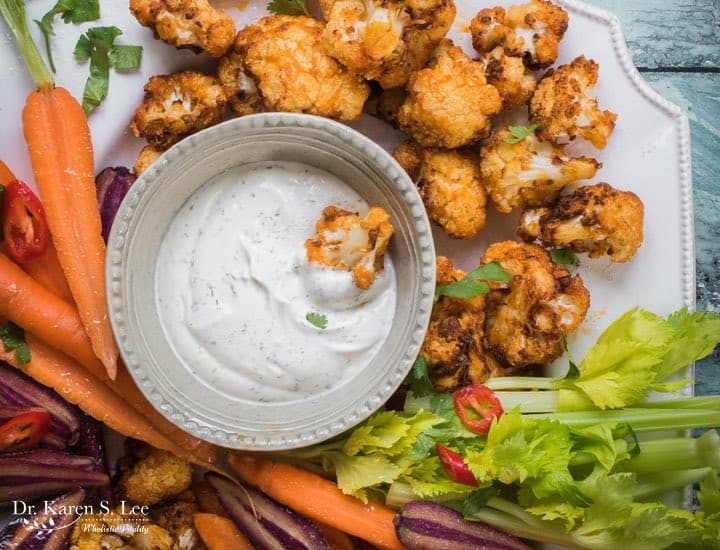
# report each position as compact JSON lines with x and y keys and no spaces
{"x":125,"y":58}
{"x":317,"y":319}
{"x":13,"y":338}
{"x":476,"y":501}
{"x":519,"y":133}
{"x":98,"y":46}
{"x":564,"y":256}
{"x":288,"y":7}
{"x":419,"y":379}
{"x":474,"y":283}
{"x":72,"y":11}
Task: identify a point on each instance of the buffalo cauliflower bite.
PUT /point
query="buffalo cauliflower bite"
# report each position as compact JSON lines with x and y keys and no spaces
{"x":145,"y":158}
{"x":525,"y":321}
{"x":285,"y":57}
{"x":449,"y":103}
{"x":529,"y":172}
{"x":191,"y":24}
{"x":531,"y":31}
{"x":149,"y":475}
{"x":385,"y":40}
{"x":178,"y":105}
{"x":509,"y":75}
{"x":177,"y":519}
{"x":347,"y":242}
{"x":564,"y":110}
{"x":449,"y":184}
{"x":453,"y":346}
{"x":240,"y":87}
{"x":115,"y":530}
{"x":597,"y":219}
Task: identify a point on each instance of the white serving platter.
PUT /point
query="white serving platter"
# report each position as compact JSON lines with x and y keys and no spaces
{"x":649,"y":152}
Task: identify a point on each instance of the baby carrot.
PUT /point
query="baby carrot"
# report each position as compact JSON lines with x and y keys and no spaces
{"x":219,"y":533}
{"x":61,"y":154}
{"x":77,"y":386}
{"x":318,"y":499}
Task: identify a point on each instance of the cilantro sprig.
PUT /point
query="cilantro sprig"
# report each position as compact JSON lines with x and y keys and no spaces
{"x":564,"y":256}
{"x":288,"y":7}
{"x":519,"y":133}
{"x":13,"y":338}
{"x":71,"y":11}
{"x":98,"y":46}
{"x":317,"y":319}
{"x":474,"y":283}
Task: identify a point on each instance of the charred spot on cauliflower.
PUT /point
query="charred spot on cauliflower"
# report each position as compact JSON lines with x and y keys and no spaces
{"x":449,"y":103}
{"x":525,"y":322}
{"x":596,"y":219}
{"x":449,"y":184}
{"x":149,"y":475}
{"x":145,"y":158}
{"x":529,"y":172}
{"x":285,"y":57}
{"x":177,"y":105}
{"x":240,"y":87}
{"x":347,"y":242}
{"x":193,"y":24}
{"x":564,"y":110}
{"x":531,"y":31}
{"x":385,"y":40}
{"x":515,"y":82}
{"x":453,"y":347}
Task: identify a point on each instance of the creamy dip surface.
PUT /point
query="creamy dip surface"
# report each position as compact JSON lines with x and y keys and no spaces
{"x":234,"y":287}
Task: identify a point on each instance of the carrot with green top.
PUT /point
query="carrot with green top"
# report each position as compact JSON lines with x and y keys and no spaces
{"x":61,"y":154}
{"x":318,"y":499}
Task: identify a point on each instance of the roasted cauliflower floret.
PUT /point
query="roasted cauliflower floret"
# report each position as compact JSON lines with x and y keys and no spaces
{"x":177,"y":519}
{"x":285,"y":57}
{"x":515,"y":82}
{"x":564,"y":110}
{"x":386,"y":40}
{"x":145,"y":158}
{"x":347,"y":242}
{"x":597,"y":219}
{"x":177,"y":105}
{"x":115,"y":530}
{"x":449,"y":184}
{"x":191,"y":24}
{"x":525,"y":322}
{"x":150,"y":475}
{"x":453,"y":346}
{"x":240,"y":87}
{"x":449,"y":103}
{"x":152,"y":537}
{"x":529,"y":172}
{"x":531,"y":31}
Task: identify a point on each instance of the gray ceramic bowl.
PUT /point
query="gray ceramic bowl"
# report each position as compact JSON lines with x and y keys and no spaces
{"x":217,"y":416}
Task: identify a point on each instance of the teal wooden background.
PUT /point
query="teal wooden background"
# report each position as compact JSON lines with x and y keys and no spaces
{"x":676,"y":45}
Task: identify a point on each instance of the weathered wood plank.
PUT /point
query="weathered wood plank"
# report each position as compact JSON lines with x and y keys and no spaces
{"x":670,"y":33}
{"x":699,"y":95}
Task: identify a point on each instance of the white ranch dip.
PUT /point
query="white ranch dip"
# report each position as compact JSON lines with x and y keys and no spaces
{"x":234,"y":286}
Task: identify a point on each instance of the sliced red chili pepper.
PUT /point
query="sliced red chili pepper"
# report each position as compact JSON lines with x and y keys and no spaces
{"x":25,"y":228}
{"x":483,"y":403}
{"x":455,"y":466}
{"x":24,"y":431}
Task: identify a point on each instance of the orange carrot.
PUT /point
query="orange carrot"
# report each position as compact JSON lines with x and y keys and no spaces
{"x":46,"y":269}
{"x":318,"y":499}
{"x":58,"y":140}
{"x":37,"y":310}
{"x":61,"y":154}
{"x":337,"y":540}
{"x":219,"y":533}
{"x":6,"y":175}
{"x":77,"y":386}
